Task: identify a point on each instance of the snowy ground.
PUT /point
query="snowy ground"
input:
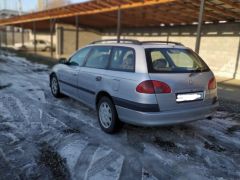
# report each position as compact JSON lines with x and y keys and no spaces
{"x":46,"y":138}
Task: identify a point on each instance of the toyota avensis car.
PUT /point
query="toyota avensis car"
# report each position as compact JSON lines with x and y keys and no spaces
{"x":141,"y":83}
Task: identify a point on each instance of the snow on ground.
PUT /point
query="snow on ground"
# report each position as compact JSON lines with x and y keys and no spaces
{"x":46,"y":138}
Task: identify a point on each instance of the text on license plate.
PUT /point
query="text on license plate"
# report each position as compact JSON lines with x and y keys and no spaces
{"x":190,"y":97}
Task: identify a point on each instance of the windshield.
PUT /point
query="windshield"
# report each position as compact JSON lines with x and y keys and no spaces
{"x":174,"y":60}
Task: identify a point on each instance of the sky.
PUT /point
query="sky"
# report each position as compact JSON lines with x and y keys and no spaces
{"x":27,"y":5}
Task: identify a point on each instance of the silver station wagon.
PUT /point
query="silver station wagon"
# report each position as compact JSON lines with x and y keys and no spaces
{"x":140,"y":83}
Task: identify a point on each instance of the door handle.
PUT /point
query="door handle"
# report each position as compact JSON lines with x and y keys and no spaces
{"x":98,"y":78}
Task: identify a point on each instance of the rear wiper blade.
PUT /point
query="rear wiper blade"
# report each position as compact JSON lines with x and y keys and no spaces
{"x":198,"y":69}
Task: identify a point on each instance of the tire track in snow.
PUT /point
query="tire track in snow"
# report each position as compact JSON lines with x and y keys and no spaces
{"x":114,"y":143}
{"x":102,"y":164}
{"x":126,"y":168}
{"x":16,"y":107}
{"x":84,"y":161}
{"x":5,"y":166}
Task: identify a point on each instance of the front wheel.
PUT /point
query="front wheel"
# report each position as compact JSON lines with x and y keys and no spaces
{"x":48,"y":49}
{"x":107,"y":116}
{"x":55,"y":86}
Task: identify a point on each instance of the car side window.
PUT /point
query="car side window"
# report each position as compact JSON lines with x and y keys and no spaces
{"x":99,"y":57}
{"x":79,"y":58}
{"x":123,"y":59}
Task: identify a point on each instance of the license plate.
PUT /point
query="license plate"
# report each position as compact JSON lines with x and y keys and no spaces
{"x":187,"y":97}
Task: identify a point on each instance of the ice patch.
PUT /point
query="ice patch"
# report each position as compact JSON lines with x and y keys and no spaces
{"x":72,"y":151}
{"x":106,"y":167}
{"x":163,"y":157}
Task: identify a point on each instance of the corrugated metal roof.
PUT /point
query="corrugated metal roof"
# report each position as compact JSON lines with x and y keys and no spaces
{"x":102,"y":14}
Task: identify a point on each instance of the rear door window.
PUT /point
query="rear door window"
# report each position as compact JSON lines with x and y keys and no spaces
{"x":123,"y":59}
{"x":99,"y":57}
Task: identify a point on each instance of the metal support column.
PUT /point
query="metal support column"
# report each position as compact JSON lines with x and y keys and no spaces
{"x":22,"y":36}
{"x":51,"y":35}
{"x":119,"y":25}
{"x":6,"y":37}
{"x":0,"y":38}
{"x":13,"y":36}
{"x":34,"y":37}
{"x":199,"y":29}
{"x":77,"y":31}
{"x":61,"y":40}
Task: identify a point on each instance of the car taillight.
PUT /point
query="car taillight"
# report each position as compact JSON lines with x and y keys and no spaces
{"x":212,"y":84}
{"x":152,"y":87}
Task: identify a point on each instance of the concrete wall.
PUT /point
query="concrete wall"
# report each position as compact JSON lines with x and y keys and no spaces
{"x":69,"y":39}
{"x":6,"y":38}
{"x":44,"y":36}
{"x":220,"y":44}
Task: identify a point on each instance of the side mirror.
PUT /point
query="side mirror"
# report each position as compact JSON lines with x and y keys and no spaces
{"x":62,"y":61}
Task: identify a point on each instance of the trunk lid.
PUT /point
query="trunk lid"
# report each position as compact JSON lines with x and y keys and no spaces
{"x":183,"y":84}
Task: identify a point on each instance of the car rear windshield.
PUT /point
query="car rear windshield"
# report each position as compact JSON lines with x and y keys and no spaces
{"x":172,"y":60}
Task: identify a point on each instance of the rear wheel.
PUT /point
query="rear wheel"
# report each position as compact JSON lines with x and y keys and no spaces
{"x":107,"y":116}
{"x":48,"y":49}
{"x":55,"y":86}
{"x":23,"y":48}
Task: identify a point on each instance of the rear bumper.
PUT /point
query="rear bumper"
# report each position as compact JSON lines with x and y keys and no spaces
{"x":165,"y":118}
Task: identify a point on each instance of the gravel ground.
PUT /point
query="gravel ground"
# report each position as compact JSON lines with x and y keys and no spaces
{"x":46,"y":138}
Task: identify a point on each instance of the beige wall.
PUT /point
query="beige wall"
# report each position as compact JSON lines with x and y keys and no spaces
{"x":44,"y":36}
{"x":85,"y":37}
{"x":220,"y":44}
{"x":69,"y":39}
{"x":6,"y":38}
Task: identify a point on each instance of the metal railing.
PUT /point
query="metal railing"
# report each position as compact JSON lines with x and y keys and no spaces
{"x":132,"y":41}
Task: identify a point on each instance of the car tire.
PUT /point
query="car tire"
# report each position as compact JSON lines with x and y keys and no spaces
{"x":23,"y":48}
{"x":48,"y":49}
{"x":107,"y":116}
{"x":54,"y":85}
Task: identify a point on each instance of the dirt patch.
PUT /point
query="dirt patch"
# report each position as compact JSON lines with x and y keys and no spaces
{"x":5,"y":86}
{"x":229,"y":106}
{"x":211,"y":138}
{"x":213,"y":147}
{"x":146,"y":174}
{"x":166,"y":145}
{"x":233,"y":129}
{"x":5,"y":127}
{"x":39,"y":70}
{"x":71,"y":131}
{"x":31,"y":90}
{"x":52,"y":160}
{"x":2,"y":60}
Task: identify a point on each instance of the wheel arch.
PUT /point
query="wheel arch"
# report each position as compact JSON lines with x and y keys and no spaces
{"x":51,"y":75}
{"x":102,"y":94}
